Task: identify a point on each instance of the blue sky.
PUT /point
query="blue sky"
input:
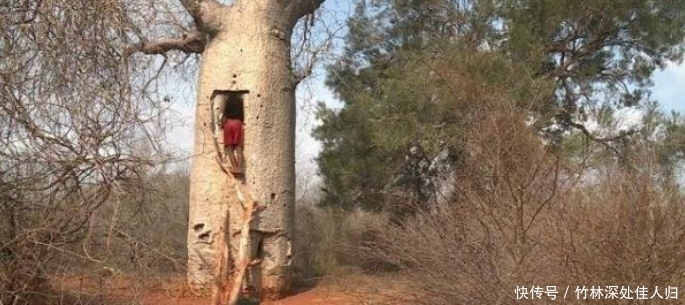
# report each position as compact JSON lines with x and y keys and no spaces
{"x":669,"y":87}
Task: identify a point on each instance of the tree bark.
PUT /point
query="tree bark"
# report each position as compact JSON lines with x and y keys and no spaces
{"x":248,"y":52}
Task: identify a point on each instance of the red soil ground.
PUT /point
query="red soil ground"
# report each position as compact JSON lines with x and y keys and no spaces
{"x":315,"y":296}
{"x":90,"y":290}
{"x":312,"y":297}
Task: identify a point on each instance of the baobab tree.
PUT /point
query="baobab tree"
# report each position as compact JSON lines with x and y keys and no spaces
{"x":245,"y":50}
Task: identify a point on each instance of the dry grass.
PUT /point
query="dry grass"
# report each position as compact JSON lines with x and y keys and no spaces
{"x":121,"y":242}
{"x":528,"y":217}
{"x":323,"y":238}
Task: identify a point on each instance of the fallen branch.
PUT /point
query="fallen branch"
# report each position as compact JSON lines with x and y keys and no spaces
{"x":243,"y":256}
{"x":221,"y":294}
{"x":243,"y":261}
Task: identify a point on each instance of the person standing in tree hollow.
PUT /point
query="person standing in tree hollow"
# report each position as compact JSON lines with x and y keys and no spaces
{"x":232,"y":125}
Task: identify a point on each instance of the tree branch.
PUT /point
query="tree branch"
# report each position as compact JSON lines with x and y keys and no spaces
{"x":300,"y":8}
{"x":228,"y":290}
{"x":304,"y":71}
{"x":192,"y":42}
{"x":602,"y":140}
{"x":203,"y":13}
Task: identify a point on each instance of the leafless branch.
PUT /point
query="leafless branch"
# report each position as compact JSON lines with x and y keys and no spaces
{"x":305,"y":71}
{"x":192,"y":42}
{"x":204,"y":13}
{"x":73,"y":123}
{"x":310,"y":49}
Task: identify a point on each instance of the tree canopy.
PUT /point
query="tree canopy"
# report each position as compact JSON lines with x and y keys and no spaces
{"x":420,"y":74}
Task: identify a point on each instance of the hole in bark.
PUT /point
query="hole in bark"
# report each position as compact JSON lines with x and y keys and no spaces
{"x":260,"y":249}
{"x":199,"y":226}
{"x":273,"y":196}
{"x":234,"y":108}
{"x":204,"y":236}
{"x":235,"y":75}
{"x":232,"y":102}
{"x":259,"y":95}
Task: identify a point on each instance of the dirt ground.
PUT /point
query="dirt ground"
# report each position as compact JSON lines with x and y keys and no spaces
{"x":311,"y":297}
{"x":314,"y":296}
{"x":353,"y":289}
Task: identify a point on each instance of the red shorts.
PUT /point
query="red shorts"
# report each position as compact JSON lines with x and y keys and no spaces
{"x":233,"y":132}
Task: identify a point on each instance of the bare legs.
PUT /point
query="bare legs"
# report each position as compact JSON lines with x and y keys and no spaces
{"x":235,"y":155}
{"x":239,"y":158}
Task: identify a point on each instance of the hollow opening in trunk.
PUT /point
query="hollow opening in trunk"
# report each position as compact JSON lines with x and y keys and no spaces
{"x":234,"y":107}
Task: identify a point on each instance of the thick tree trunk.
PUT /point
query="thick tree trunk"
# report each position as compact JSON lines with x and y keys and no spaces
{"x":250,"y":52}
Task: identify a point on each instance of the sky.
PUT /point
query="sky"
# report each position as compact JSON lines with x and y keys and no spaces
{"x":669,"y":87}
{"x":668,"y":90}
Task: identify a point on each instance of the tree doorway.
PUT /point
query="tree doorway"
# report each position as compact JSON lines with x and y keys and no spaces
{"x":232,"y":103}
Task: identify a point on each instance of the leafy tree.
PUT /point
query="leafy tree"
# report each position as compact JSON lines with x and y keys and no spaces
{"x":567,"y":61}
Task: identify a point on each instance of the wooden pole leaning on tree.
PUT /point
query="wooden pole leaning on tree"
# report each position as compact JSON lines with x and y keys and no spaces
{"x":227,"y":290}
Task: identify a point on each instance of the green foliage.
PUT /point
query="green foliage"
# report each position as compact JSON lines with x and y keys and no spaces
{"x":420,"y":73}
{"x":599,"y":51}
{"x":432,"y":106}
